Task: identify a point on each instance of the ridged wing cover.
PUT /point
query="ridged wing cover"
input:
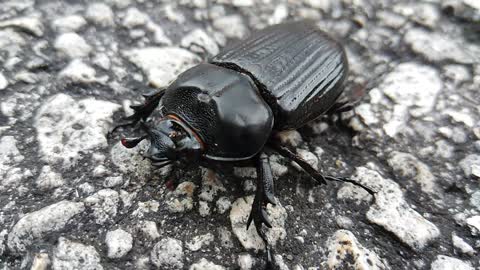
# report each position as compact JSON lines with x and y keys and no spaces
{"x":298,"y":68}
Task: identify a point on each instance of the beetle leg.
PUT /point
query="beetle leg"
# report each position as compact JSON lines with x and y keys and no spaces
{"x":263,"y":196}
{"x":315,"y":174}
{"x":142,"y":111}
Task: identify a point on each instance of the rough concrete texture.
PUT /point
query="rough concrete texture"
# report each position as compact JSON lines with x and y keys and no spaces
{"x":72,"y":198}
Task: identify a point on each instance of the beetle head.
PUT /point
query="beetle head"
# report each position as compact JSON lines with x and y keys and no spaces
{"x":170,"y":140}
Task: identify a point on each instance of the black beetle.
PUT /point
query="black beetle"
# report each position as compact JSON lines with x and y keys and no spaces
{"x":230,"y":108}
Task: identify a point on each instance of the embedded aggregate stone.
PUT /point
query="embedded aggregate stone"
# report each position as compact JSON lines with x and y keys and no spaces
{"x":438,"y":47}
{"x":199,"y":241}
{"x":3,"y":82}
{"x":344,"y":250}
{"x":104,"y":205}
{"x":30,"y":25}
{"x":71,"y":69}
{"x":70,"y":23}
{"x":161,"y":65}
{"x":72,"y":45}
{"x":461,"y":246}
{"x":78,"y":71}
{"x":66,"y":126}
{"x":119,"y":243}
{"x":69,"y":254}
{"x":100,"y":14}
{"x":168,"y":254}
{"x":35,"y":225}
{"x":443,"y":262}
{"x":204,"y":264}
{"x":393,"y":213}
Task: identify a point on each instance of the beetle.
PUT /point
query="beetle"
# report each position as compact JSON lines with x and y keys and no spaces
{"x":229,"y":109}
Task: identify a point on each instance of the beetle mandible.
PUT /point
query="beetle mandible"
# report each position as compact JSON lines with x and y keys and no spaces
{"x":228,"y":109}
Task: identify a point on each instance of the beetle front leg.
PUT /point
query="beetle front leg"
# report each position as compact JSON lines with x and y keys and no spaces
{"x":144,"y":110}
{"x":263,"y":196}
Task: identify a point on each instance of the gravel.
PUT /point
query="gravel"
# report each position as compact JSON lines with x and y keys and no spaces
{"x":72,"y":197}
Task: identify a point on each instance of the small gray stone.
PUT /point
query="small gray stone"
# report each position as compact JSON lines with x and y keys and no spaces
{"x":323,"y":5}
{"x":102,"y":60}
{"x":79,"y":72}
{"x":211,"y":185}
{"x":181,"y":199}
{"x":474,"y":224}
{"x":72,"y":45}
{"x":290,"y":137}
{"x":104,"y":204}
{"x":69,"y":255}
{"x":134,"y":18}
{"x":168,"y":254}
{"x":69,"y":23}
{"x":119,"y":243}
{"x":463,"y":247}
{"x":11,"y":41}
{"x":199,"y":37}
{"x":437,"y":47}
{"x":113,"y":181}
{"x":225,"y":237}
{"x":149,"y":229}
{"x":475,"y":200}
{"x":468,"y":162}
{"x":49,"y":179}
{"x":3,"y":240}
{"x":200,"y":241}
{"x":35,"y":225}
{"x":243,"y":3}
{"x":223,"y":205}
{"x":409,"y":166}
{"x":465,"y":9}
{"x":66,"y":127}
{"x":203,"y":208}
{"x":344,"y":222}
{"x":245,"y":261}
{"x":30,"y":25}
{"x":425,"y":14}
{"x":40,"y":261}
{"x":26,"y":77}
{"x":392,"y":212}
{"x":231,"y":26}
{"x":413,"y":88}
{"x":162,"y":65}
{"x":279,"y":14}
{"x":448,"y":263}
{"x":100,"y":14}
{"x":344,"y":251}
{"x":3,"y":82}
{"x":204,"y":264}
{"x":457,"y":73}
{"x":464,"y":116}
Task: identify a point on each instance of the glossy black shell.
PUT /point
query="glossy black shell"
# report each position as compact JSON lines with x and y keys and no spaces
{"x":298,"y":69}
{"x":224,"y":107}
{"x":279,"y":78}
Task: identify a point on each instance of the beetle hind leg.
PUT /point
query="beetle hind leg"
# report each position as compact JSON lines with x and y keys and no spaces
{"x":142,"y":111}
{"x":315,"y":174}
{"x":263,"y":196}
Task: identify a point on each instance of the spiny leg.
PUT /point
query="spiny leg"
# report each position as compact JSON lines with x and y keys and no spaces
{"x":315,"y":174}
{"x":142,"y":111}
{"x":263,"y":196}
